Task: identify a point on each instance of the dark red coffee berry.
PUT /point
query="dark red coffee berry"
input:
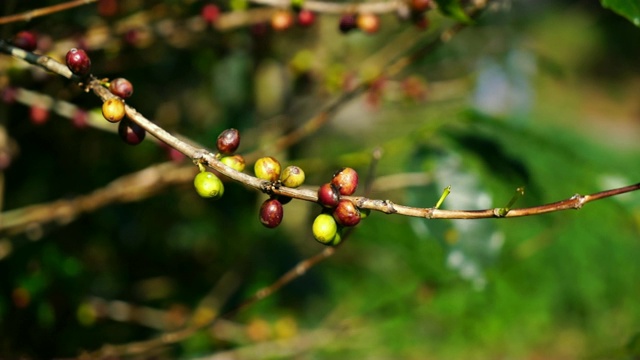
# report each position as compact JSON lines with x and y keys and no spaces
{"x":306,"y":18}
{"x":26,"y":40}
{"x":121,"y":87}
{"x":421,"y":5}
{"x":284,"y":199}
{"x":107,"y":8}
{"x":345,"y":180}
{"x":9,"y":94}
{"x":228,"y":141}
{"x":78,"y":62}
{"x":80,"y":119}
{"x":328,"y":195}
{"x":346,"y":214}
{"x":130,"y":132}
{"x":347,"y":23}
{"x":271,"y":213}
{"x":210,"y":13}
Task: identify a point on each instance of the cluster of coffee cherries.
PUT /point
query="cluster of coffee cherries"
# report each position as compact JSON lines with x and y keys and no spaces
{"x":207,"y":184}
{"x":268,"y":168}
{"x":113,"y":109}
{"x":284,"y":18}
{"x":339,"y":213}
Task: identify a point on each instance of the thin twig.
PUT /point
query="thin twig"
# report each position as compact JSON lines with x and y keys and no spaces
{"x":28,"y":15}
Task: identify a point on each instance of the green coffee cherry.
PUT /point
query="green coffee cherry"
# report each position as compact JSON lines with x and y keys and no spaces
{"x":338,"y":238}
{"x":325,"y":229}
{"x":236,"y":162}
{"x":292,"y":176}
{"x":267,"y":168}
{"x":208,"y":185}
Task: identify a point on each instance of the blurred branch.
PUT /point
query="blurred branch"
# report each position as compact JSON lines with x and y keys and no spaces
{"x":129,"y":188}
{"x":28,"y":15}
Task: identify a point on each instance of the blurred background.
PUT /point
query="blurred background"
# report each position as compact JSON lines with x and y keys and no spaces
{"x":539,"y":94}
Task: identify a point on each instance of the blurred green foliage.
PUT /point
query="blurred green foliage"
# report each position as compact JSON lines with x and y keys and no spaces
{"x":539,"y":94}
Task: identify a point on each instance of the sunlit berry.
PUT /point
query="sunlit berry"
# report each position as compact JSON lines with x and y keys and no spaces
{"x":281,"y":20}
{"x":369,"y":23}
{"x":113,"y":110}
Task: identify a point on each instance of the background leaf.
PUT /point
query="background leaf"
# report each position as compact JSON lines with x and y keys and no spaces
{"x":627,"y":8}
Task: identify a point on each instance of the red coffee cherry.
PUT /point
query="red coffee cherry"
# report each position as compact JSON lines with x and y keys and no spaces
{"x":80,"y":119}
{"x":210,"y":13}
{"x":121,"y":87}
{"x":421,"y":5}
{"x":271,"y":213}
{"x":228,"y":141}
{"x":306,"y":18}
{"x":130,"y":132}
{"x":25,"y":40}
{"x":345,"y":180}
{"x":346,"y":213}
{"x":328,"y":195}
{"x":38,"y":114}
{"x":78,"y":62}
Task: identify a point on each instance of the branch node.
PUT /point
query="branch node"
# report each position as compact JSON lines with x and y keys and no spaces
{"x":579,"y":201}
{"x":390,"y":209}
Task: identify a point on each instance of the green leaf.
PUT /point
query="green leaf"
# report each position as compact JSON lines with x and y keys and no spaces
{"x":453,"y":9}
{"x":627,"y":8}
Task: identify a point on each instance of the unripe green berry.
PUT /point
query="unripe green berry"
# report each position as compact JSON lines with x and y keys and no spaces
{"x":236,"y":162}
{"x":113,"y":110}
{"x":324,"y":229}
{"x":338,"y":238}
{"x":364,"y":213}
{"x":208,"y":185}
{"x":267,"y":168}
{"x":292,"y":176}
